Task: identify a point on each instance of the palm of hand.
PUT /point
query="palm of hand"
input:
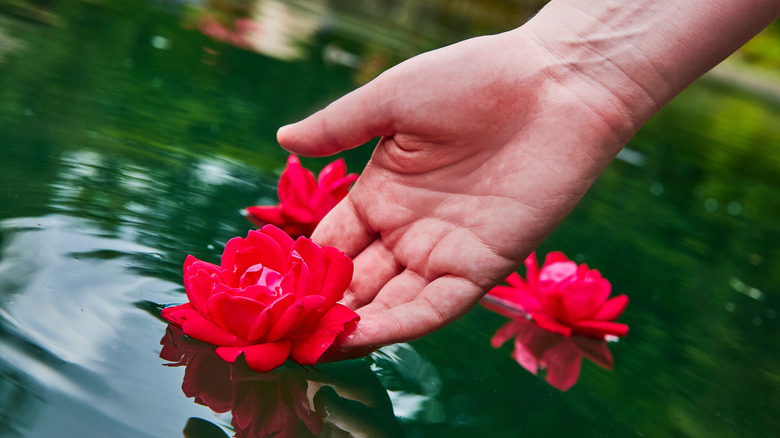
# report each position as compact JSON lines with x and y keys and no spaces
{"x":472,"y":173}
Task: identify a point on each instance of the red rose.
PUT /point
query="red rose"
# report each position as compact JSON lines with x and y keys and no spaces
{"x":270,"y":299}
{"x":304,"y":201}
{"x":561,"y":297}
{"x":561,"y":356}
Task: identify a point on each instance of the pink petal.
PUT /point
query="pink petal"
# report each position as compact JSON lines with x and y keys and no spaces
{"x":278,"y":307}
{"x":235,"y":314}
{"x":332,"y":172}
{"x":582,"y":300}
{"x":173,"y":315}
{"x":260,"y":357}
{"x":298,"y":214}
{"x":339,"y":319}
{"x":200,"y":328}
{"x":338,"y":275}
{"x":340,"y":188}
{"x":515,"y":298}
{"x":271,"y":254}
{"x":199,"y":285}
{"x":515,"y":280}
{"x":297,"y":275}
{"x":555,"y":257}
{"x":191,"y":261}
{"x":314,"y":258}
{"x":288,"y":320}
{"x":504,"y":308}
{"x":296,"y":183}
{"x":313,"y":307}
{"x":599,"y":329}
{"x":532,"y":272}
{"x":612,"y":309}
{"x":228,"y":260}
{"x":550,"y":324}
{"x":281,"y":238}
{"x":261,"y":215}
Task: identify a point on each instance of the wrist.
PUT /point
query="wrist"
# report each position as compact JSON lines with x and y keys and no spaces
{"x":625,"y":60}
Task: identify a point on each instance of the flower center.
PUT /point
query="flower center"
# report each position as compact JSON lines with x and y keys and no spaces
{"x":262,"y":276}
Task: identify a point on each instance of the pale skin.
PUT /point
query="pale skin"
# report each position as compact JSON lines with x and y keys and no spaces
{"x":486,"y":145}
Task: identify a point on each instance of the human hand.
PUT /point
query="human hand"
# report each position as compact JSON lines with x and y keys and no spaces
{"x":481,"y":155}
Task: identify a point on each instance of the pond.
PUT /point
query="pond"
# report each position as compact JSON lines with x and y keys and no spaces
{"x":132,"y":133}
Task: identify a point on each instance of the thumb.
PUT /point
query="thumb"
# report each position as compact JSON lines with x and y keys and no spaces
{"x":344,"y":124}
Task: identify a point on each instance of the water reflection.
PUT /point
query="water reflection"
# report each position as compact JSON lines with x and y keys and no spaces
{"x":331,"y":400}
{"x":560,"y":356}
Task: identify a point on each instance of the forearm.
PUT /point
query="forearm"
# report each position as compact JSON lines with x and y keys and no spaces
{"x":626,"y":59}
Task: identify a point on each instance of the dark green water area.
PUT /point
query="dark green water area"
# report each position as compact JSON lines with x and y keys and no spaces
{"x":130,"y":138}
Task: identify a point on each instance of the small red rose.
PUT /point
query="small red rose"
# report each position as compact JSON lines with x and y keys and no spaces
{"x":304,"y":200}
{"x":561,"y":297}
{"x":270,"y":299}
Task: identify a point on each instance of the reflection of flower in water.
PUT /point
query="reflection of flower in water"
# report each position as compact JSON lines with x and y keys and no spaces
{"x":559,"y":355}
{"x":268,"y":404}
{"x":559,"y":313}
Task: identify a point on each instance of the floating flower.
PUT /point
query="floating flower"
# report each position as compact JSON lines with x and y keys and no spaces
{"x":561,"y":297}
{"x":304,"y":200}
{"x":270,"y":299}
{"x":536,"y":348}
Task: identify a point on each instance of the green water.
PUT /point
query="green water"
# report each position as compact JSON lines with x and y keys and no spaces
{"x":129,"y":139}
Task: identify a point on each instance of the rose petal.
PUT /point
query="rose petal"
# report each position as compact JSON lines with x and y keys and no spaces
{"x":261,"y":215}
{"x":199,"y":285}
{"x":260,"y":357}
{"x":582,"y":300}
{"x":296,"y":184}
{"x":298,"y":214}
{"x":174,"y":314}
{"x":338,"y":275}
{"x":599,"y":329}
{"x":515,"y":280}
{"x":281,"y":238}
{"x":612,"y":309}
{"x":339,"y":189}
{"x":332,"y":173}
{"x":267,"y":252}
{"x":314,"y":258}
{"x":236,"y":314}
{"x":532,"y":273}
{"x":200,"y":328}
{"x":289,"y":319}
{"x":515,"y":298}
{"x":550,"y":324}
{"x":337,"y":320}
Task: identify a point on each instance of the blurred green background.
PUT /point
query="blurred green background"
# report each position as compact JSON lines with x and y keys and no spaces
{"x":132,"y":132}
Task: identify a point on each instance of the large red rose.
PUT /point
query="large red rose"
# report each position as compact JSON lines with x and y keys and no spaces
{"x":304,"y":200}
{"x":561,"y":297}
{"x":270,"y":299}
